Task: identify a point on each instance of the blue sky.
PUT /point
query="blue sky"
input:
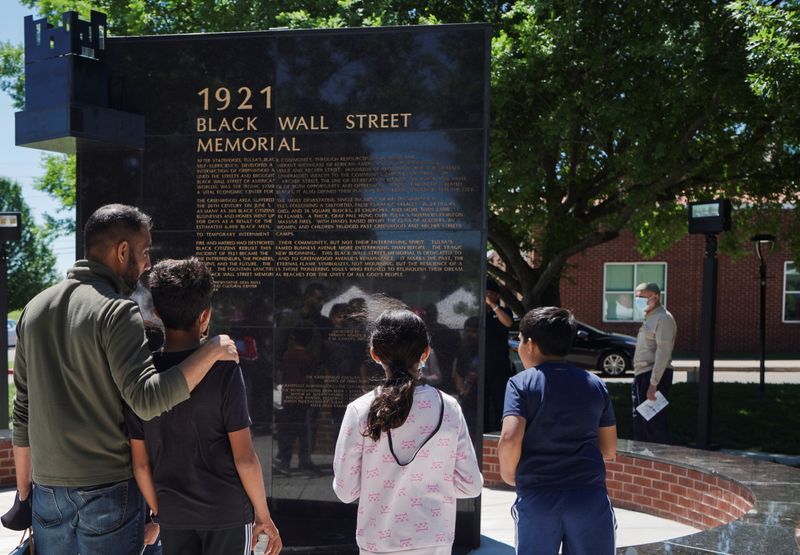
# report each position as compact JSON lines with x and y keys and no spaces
{"x":23,"y":164}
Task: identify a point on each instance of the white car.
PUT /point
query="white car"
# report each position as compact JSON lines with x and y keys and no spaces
{"x":12,"y":333}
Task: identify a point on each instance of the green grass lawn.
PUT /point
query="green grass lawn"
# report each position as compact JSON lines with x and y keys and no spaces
{"x":740,"y":419}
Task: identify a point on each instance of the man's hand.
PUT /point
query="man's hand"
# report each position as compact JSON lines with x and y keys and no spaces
{"x":225,"y":347}
{"x":266,"y":526}
{"x":25,"y":492}
{"x":651,"y":392}
{"x":197,"y":365}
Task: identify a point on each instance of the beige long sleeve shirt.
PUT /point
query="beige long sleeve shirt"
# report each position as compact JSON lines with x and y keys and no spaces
{"x":654,"y":344}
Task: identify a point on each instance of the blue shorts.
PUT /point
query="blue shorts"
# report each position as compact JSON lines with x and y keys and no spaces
{"x":580,"y":519}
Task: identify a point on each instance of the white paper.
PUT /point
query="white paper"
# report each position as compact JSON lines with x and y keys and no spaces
{"x":649,"y":408}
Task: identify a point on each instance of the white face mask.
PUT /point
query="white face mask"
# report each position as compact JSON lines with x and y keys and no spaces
{"x":640,"y":303}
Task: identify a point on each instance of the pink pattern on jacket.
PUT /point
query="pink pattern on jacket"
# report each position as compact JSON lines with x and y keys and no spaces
{"x":424,"y":514}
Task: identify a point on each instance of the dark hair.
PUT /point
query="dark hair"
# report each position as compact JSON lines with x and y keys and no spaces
{"x":113,"y":223}
{"x":399,"y":339}
{"x":154,"y":335}
{"x":431,"y":313}
{"x":552,"y":328}
{"x":340,"y":309}
{"x":471,"y":323}
{"x":302,"y":334}
{"x":359,"y":311}
{"x":313,"y":288}
{"x":181,"y":290}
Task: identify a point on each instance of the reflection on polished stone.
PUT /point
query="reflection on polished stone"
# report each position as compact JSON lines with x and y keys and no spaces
{"x":434,"y":75}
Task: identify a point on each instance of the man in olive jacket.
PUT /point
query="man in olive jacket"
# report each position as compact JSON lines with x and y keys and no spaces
{"x":82,"y":353}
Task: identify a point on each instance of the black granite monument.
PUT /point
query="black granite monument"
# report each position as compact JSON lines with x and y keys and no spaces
{"x":311,"y":170}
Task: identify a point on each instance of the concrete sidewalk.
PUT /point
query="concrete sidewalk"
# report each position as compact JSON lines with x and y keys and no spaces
{"x":732,"y":371}
{"x":497,"y":527}
{"x":741,"y":365}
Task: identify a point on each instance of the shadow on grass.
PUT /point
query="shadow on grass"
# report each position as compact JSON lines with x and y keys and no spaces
{"x":740,"y":419}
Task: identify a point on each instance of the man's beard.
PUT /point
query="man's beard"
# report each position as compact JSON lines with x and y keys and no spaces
{"x":131,"y":276}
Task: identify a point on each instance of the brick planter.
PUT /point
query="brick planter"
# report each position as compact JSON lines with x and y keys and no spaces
{"x":700,"y":499}
{"x":675,"y":492}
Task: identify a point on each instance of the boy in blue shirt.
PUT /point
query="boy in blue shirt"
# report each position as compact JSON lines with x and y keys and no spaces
{"x":196,"y":465}
{"x":558,"y":426}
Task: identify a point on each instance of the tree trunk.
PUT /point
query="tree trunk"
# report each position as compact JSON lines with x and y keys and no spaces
{"x":550,"y":296}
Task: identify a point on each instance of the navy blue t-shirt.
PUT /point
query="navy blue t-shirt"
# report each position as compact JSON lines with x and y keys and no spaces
{"x":196,"y":480}
{"x":563,"y":406}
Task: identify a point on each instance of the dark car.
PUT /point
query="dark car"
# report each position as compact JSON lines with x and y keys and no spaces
{"x":593,"y":349}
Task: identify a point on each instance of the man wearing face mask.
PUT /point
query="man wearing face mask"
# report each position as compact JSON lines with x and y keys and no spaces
{"x":652,"y":362}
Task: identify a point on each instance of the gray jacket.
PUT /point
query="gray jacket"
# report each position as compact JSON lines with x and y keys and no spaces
{"x":654,"y":344}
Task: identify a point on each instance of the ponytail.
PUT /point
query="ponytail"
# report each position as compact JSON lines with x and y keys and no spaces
{"x":399,"y":339}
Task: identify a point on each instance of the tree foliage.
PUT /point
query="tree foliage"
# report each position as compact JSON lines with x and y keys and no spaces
{"x":610,"y":116}
{"x":59,"y":181}
{"x":606,"y":115}
{"x":11,"y":78}
{"x":31,"y":261}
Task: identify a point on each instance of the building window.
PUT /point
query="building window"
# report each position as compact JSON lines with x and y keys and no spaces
{"x":791,"y":293}
{"x":621,"y":279}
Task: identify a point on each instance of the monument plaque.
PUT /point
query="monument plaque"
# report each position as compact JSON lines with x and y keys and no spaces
{"x":311,"y":170}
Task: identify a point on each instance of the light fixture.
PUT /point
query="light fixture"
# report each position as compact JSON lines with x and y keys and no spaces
{"x":764,"y":244}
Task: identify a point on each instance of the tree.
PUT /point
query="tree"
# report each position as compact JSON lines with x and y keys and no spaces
{"x":59,"y":182}
{"x":606,"y":115}
{"x":625,"y":112}
{"x":11,"y":68}
{"x":31,"y":262}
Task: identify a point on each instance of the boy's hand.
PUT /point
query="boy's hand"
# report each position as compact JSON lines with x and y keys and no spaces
{"x":151,"y":532}
{"x":225,"y":347}
{"x":274,"y":543}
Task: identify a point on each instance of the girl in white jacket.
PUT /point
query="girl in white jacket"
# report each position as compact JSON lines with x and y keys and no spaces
{"x":404,"y":450}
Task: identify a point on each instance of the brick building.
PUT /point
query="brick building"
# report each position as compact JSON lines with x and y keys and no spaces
{"x":598,"y":287}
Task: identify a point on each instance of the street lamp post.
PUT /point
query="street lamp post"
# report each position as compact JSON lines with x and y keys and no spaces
{"x":708,"y":218}
{"x":764,"y":244}
{"x":10,"y":230}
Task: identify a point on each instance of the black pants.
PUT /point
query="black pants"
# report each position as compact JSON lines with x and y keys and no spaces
{"x":494,"y":395}
{"x":226,"y":541}
{"x":295,"y":422}
{"x":657,"y":429}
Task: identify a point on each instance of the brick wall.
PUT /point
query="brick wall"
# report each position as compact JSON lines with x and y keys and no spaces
{"x":490,"y":467}
{"x":670,"y":491}
{"x":327,"y":430}
{"x":7,"y":476}
{"x":737,"y":294}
